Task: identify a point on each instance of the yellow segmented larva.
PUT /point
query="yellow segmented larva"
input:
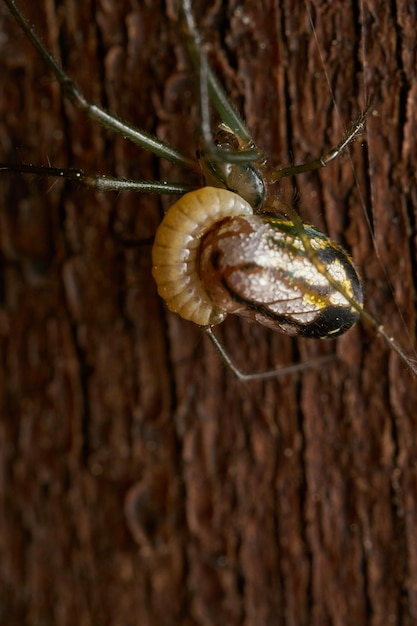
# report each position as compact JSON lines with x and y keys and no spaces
{"x":175,"y":252}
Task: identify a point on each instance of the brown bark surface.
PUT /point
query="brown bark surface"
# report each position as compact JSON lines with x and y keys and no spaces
{"x":140,"y":483}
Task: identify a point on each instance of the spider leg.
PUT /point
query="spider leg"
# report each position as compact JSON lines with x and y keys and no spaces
{"x":211,"y":87}
{"x":99,"y":181}
{"x":72,"y":92}
{"x":322,"y":161}
{"x":274,"y":373}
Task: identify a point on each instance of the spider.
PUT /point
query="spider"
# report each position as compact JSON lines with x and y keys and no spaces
{"x":233,"y":245}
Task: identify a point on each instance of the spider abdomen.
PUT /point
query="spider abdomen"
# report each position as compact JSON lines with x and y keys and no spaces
{"x":257,"y":267}
{"x":176,"y":251}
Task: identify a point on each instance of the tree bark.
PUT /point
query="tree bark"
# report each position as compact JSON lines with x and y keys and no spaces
{"x":141,"y":483}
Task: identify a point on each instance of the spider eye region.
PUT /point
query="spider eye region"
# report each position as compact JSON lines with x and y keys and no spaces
{"x":212,"y":256}
{"x":220,"y":170}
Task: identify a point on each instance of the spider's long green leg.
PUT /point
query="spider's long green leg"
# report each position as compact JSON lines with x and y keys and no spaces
{"x":228,"y":114}
{"x":316,"y":164}
{"x":99,"y":181}
{"x":221,"y":159}
{"x":230,"y":158}
{"x":72,"y":92}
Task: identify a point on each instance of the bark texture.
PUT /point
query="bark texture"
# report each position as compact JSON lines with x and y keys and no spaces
{"x":140,"y":483}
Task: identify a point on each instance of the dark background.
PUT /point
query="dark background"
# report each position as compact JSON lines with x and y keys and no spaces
{"x":140,"y":483}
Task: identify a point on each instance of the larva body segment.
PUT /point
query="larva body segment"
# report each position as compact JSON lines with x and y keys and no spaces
{"x":175,"y":253}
